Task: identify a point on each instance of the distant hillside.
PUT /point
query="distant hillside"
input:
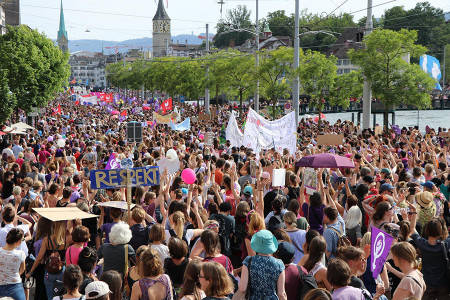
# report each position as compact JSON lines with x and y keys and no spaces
{"x":145,"y":43}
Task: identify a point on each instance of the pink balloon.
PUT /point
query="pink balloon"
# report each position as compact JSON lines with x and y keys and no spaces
{"x":201,"y":136}
{"x":188,"y":176}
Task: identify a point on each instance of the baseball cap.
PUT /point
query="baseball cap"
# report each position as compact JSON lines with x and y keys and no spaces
{"x":248,"y":190}
{"x":386,"y":171}
{"x":428,"y":185}
{"x":368,"y":179}
{"x":285,"y":251}
{"x":386,"y":187}
{"x":96,"y":289}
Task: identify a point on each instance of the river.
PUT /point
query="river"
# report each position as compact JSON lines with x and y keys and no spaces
{"x":404,"y":118}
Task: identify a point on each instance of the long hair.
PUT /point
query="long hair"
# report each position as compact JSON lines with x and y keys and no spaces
{"x":381,"y":209}
{"x":178,"y":223}
{"x":220,"y":283}
{"x":59,"y":232}
{"x":114,"y":281}
{"x":317,"y":248}
{"x":354,"y":217}
{"x":191,"y":283}
{"x":405,"y":251}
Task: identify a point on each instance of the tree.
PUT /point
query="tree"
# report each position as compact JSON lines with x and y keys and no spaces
{"x":393,"y":80}
{"x":347,"y":86}
{"x":236,"y":18}
{"x":218,"y":73}
{"x":280,"y":24}
{"x":317,"y":75}
{"x":375,"y":22}
{"x":7,"y":99}
{"x":275,"y":70}
{"x":37,"y":69}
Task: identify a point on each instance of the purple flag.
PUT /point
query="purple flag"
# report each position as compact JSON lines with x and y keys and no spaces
{"x":122,"y":118}
{"x":112,"y":163}
{"x":396,"y":129}
{"x":154,"y":123}
{"x":380,"y":247}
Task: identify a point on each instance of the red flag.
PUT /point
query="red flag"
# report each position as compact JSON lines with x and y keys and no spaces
{"x":108,"y":97}
{"x":124,"y":113}
{"x":77,"y":102}
{"x":166,"y":105}
{"x":73,"y":81}
{"x":58,"y":111}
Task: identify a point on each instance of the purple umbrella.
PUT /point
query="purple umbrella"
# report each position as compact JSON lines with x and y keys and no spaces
{"x":325,"y":160}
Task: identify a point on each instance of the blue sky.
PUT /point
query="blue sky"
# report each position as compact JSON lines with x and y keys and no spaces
{"x":120,"y":20}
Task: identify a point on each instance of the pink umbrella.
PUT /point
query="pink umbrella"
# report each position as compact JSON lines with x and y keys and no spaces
{"x":325,"y":160}
{"x":322,"y":117}
{"x":145,"y":108}
{"x":115,"y":112}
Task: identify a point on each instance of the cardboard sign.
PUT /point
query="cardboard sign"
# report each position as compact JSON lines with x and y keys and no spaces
{"x":310,"y":179}
{"x":204,"y":117}
{"x":279,"y":177}
{"x":107,"y":179}
{"x":116,"y":204}
{"x":63,"y":213}
{"x":209,"y":137}
{"x":330,"y":139}
{"x":171,"y":166}
{"x":378,"y":130}
{"x":160,"y":119}
{"x":444,"y":134}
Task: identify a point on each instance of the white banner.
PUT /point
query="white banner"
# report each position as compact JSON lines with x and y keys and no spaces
{"x":261,"y":133}
{"x":233,"y":133}
{"x":92,"y":100}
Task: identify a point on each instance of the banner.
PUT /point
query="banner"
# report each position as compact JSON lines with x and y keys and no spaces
{"x":160,"y":119}
{"x":380,"y":246}
{"x":260,"y":133}
{"x":185,"y":125}
{"x":107,"y":179}
{"x":90,"y":100}
{"x":432,"y":66}
{"x":233,"y":133}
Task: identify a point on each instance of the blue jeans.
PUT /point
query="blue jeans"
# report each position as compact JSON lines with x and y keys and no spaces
{"x":14,"y":291}
{"x":50,"y":280}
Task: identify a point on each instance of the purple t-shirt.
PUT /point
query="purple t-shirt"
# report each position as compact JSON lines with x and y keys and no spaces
{"x":347,"y":293}
{"x":106,"y":229}
{"x":314,"y":216}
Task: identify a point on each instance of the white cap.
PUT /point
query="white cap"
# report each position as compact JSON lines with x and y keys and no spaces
{"x":96,"y":289}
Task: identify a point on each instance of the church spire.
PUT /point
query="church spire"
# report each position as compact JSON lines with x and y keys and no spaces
{"x":62,"y":26}
{"x":161,"y":13}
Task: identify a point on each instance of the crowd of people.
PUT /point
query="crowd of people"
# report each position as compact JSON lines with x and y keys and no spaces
{"x":231,"y":234}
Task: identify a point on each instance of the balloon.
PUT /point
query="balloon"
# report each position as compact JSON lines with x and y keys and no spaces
{"x":171,"y":155}
{"x":188,"y":176}
{"x":50,"y":139}
{"x":61,"y":143}
{"x":201,"y":136}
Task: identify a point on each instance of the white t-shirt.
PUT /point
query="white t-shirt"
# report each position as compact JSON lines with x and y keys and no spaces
{"x":57,"y":298}
{"x":189,"y":235}
{"x":10,"y":262}
{"x":163,"y":251}
{"x":4,"y":232}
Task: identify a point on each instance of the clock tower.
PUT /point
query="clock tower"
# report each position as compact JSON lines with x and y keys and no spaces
{"x":161,"y":31}
{"x":63,"y":40}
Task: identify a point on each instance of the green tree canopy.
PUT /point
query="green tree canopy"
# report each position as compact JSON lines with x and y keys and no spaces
{"x":37,"y":69}
{"x":393,"y":80}
{"x":236,"y":18}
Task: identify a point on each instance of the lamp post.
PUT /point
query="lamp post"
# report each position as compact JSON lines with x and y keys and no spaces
{"x":367,"y":93}
{"x":257,"y":60}
{"x":207,"y":73}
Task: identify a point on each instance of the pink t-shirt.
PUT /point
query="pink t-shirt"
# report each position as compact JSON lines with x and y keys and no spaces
{"x":72,"y":254}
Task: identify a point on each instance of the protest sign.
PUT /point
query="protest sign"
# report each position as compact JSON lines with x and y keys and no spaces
{"x":204,"y":117}
{"x":209,"y":137}
{"x":113,"y":178}
{"x":233,"y":133}
{"x":160,"y":119}
{"x":278,"y":177}
{"x":171,"y":166}
{"x":310,"y":180}
{"x":116,"y":204}
{"x":380,"y":245}
{"x":330,"y":139}
{"x":63,"y":213}
{"x":378,"y":130}
{"x":138,"y":110}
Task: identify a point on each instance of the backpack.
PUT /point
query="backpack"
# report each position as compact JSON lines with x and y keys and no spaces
{"x":343,"y":241}
{"x":307,"y":282}
{"x":222,"y":233}
{"x":53,"y":263}
{"x":275,"y":222}
{"x":240,"y":232}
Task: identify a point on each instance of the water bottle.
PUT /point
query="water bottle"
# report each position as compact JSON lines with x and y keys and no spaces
{"x":398,"y":210}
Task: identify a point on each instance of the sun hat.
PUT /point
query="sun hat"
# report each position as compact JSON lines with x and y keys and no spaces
{"x":424,"y":199}
{"x":264,"y":242}
{"x":96,"y":289}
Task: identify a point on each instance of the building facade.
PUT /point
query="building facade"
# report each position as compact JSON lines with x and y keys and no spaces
{"x":161,"y":31}
{"x":88,"y":68}
{"x":2,"y":20}
{"x":63,"y":39}
{"x":12,"y":12}
{"x":351,"y":38}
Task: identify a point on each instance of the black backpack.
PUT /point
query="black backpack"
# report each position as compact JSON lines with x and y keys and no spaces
{"x":275,"y":222}
{"x":222,"y":234}
{"x":306,"y":283}
{"x":240,"y":232}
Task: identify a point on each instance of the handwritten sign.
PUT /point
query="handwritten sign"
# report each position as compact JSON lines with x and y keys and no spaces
{"x":107,"y":179}
{"x":160,"y":119}
{"x":330,"y":139}
{"x":204,"y":117}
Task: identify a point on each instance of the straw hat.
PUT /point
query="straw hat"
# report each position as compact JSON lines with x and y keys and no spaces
{"x":424,"y":199}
